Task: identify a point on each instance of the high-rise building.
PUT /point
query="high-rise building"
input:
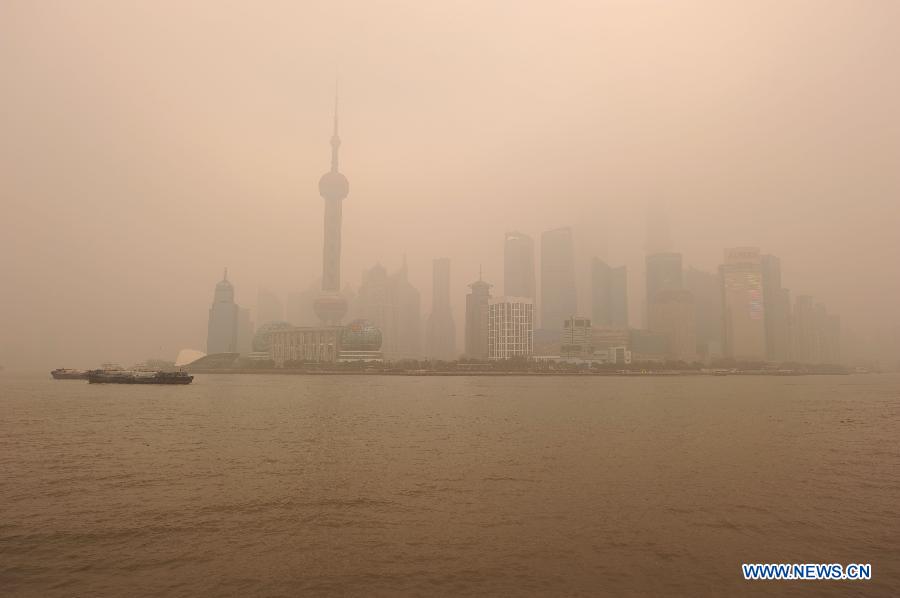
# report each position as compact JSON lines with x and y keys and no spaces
{"x":406,"y":335}
{"x":510,"y":327}
{"x":222,"y":329}
{"x":742,"y":301}
{"x":609,"y":295}
{"x":441,"y":330}
{"x":393,"y":305}
{"x":777,"y":309}
{"x":672,"y":315}
{"x":268,"y":307}
{"x":331,"y":305}
{"x":664,"y":272}
{"x":706,"y":288}
{"x":668,"y":305}
{"x":477,"y":319}
{"x":558,"y":295}
{"x":518,"y":265}
{"x":805,"y":331}
{"x":374,"y":300}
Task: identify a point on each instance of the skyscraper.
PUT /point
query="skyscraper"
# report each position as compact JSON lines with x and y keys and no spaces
{"x":664,"y":272}
{"x":376,"y":304}
{"x":477,"y":319}
{"x":393,"y":305}
{"x":222,"y":328}
{"x":609,"y":296}
{"x":510,"y":327}
{"x":672,"y":315}
{"x":706,"y":287}
{"x":441,"y":330}
{"x":518,"y":265}
{"x":406,"y":334}
{"x":777,"y":309}
{"x":331,"y":305}
{"x":805,"y":333}
{"x":558,"y":298}
{"x":742,"y":301}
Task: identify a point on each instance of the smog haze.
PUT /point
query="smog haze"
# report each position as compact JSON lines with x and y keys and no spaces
{"x":147,"y":146}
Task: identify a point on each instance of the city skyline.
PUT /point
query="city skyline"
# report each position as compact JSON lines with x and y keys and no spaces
{"x":226,"y":175}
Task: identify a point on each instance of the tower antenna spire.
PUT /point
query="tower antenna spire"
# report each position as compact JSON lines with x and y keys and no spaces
{"x":335,"y":139}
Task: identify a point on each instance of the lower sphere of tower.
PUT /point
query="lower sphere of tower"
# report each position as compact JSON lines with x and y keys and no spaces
{"x":330,"y":308}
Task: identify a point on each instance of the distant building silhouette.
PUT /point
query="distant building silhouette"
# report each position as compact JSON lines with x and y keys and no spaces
{"x":672,"y":315}
{"x":518,"y":266}
{"x":817,"y":334}
{"x":609,"y":295}
{"x":664,"y":272}
{"x":669,"y":308}
{"x":392,"y":303}
{"x":510,"y":327}
{"x":477,"y":319}
{"x":406,"y":334}
{"x":558,"y":296}
{"x":706,"y":287}
{"x":743,"y":304}
{"x":805,"y":334}
{"x":777,"y":309}
{"x":222,"y":329}
{"x":441,"y":330}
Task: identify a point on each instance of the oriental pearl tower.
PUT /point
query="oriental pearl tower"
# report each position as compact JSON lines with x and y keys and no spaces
{"x":331,"y":306}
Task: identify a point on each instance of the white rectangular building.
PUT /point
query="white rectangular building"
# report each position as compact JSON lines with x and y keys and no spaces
{"x":510,"y":327}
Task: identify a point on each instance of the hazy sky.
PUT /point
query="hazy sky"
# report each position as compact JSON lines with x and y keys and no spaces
{"x":146,"y":145}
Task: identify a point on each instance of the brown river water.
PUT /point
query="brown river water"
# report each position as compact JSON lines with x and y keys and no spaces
{"x":258,"y":485}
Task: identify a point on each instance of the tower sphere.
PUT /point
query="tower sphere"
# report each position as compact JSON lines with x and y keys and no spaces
{"x":334,"y":185}
{"x":330,"y":308}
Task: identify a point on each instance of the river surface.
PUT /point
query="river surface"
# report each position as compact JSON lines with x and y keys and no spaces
{"x":256,"y":485}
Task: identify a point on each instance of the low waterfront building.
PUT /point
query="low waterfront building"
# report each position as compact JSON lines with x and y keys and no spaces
{"x":577,"y":338}
{"x":358,"y":341}
{"x":318,"y":344}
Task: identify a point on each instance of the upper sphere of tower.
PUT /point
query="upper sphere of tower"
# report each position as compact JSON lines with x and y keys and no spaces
{"x":334,"y":185}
